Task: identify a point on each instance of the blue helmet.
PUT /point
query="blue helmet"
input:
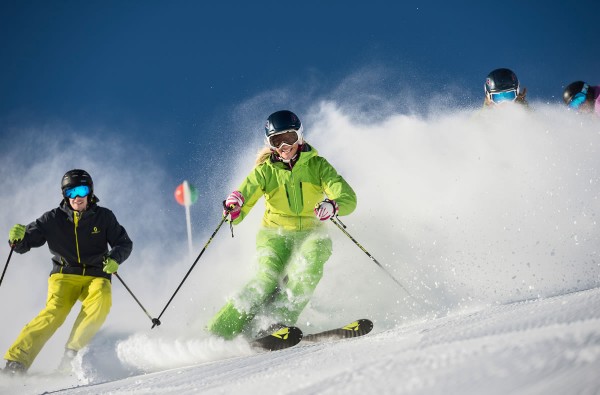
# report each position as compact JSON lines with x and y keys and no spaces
{"x":283,"y":121}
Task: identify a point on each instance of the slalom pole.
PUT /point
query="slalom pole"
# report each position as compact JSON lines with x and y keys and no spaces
{"x":342,"y":227}
{"x":12,"y":248}
{"x":155,"y":321}
{"x":186,"y":195}
{"x":188,"y":224}
{"x":194,"y":264}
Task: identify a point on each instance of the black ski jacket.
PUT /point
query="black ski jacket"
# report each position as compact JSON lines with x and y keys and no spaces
{"x":78,"y":242}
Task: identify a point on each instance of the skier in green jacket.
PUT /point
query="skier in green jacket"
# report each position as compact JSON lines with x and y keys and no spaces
{"x":301,"y":190}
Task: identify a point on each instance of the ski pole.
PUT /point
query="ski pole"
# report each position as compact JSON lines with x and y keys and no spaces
{"x":12,"y":248}
{"x":342,"y":227}
{"x":155,"y":321}
{"x":193,"y":264}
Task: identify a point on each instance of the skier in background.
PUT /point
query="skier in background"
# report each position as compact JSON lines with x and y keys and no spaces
{"x":301,"y":190}
{"x":582,"y":97}
{"x":502,"y":86}
{"x":77,"y":233}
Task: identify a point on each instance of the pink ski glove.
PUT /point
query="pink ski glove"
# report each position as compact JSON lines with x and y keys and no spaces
{"x":233,"y":203}
{"x":326,"y":209}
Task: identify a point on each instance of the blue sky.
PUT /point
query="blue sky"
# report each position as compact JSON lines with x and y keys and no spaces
{"x":173,"y":74}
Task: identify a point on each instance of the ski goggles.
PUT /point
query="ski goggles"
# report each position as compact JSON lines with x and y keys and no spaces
{"x":81,"y":191}
{"x":499,"y":97}
{"x":579,"y":98}
{"x":287,"y":137}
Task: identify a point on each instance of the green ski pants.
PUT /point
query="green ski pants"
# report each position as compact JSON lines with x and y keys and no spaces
{"x":299,"y":256}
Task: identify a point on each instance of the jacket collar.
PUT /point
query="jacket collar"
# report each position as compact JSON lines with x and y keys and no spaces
{"x":304,"y":153}
{"x":66,"y":208}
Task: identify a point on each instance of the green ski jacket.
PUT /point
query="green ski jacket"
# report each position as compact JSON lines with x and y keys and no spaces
{"x":291,"y":194}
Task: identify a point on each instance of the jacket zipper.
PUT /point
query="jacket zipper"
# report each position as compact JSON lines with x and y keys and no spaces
{"x":294,"y":194}
{"x":76,"y":217}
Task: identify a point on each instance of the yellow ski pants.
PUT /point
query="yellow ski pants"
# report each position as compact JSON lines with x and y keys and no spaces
{"x":63,"y":291}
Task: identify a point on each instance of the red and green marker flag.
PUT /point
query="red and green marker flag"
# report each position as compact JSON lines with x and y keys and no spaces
{"x":186,"y":195}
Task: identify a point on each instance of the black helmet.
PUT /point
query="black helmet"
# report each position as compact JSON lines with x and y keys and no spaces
{"x":283,"y":121}
{"x":574,"y":88}
{"x":501,"y":80}
{"x":76,"y":177}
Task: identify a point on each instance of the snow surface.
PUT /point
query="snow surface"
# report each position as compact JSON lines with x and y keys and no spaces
{"x":489,"y":219}
{"x":543,"y":346}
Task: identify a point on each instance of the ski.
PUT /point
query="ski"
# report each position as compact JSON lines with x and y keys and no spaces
{"x":281,"y":339}
{"x":290,"y":336}
{"x":354,"y":329}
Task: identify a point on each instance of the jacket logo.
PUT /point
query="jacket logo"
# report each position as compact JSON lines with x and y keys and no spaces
{"x":95,"y":231}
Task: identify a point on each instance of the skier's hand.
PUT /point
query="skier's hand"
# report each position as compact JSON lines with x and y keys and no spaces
{"x":233,"y":204}
{"x":326,"y":209}
{"x":16,"y":233}
{"x":521,"y":96}
{"x":110,"y":265}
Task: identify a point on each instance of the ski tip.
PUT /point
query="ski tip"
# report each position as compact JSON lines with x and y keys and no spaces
{"x":359,"y":327}
{"x":354,"y":329}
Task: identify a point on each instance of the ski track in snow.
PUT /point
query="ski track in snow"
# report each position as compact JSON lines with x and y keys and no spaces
{"x":538,"y":346}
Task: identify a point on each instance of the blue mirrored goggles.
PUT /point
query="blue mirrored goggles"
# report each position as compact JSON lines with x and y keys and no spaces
{"x":579,"y":98}
{"x":81,"y":191}
{"x":577,"y":101}
{"x":499,"y":97}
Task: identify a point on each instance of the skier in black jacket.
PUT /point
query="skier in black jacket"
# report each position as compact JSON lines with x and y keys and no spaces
{"x":78,"y":233}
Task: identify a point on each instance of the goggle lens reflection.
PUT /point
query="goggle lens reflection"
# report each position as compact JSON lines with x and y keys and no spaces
{"x":577,"y":101}
{"x":579,"y":98}
{"x":504,"y":96}
{"x":81,"y":190}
